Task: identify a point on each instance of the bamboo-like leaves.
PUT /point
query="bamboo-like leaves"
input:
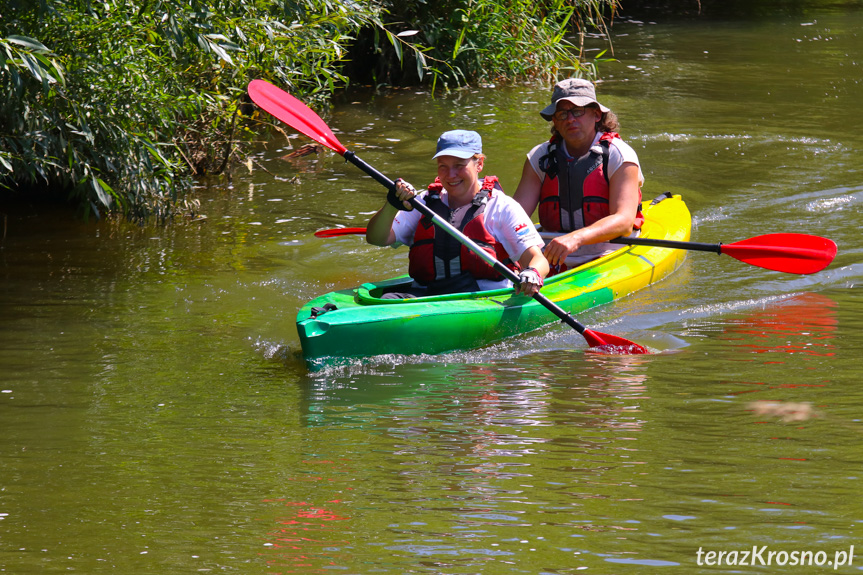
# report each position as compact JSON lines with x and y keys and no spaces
{"x":396,"y":43}
{"x":102,"y":190}
{"x":121,"y":102}
{"x":31,"y":44}
{"x":22,"y":53}
{"x":219,"y":45}
{"x":151,"y":89}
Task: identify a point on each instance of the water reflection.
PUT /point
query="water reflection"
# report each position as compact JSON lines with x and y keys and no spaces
{"x":470,"y":447}
{"x":800,"y":324}
{"x":307,"y":537}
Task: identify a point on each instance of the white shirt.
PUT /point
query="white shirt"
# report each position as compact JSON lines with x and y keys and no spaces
{"x":505,"y":220}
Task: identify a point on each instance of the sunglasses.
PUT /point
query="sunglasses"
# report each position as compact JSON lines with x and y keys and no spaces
{"x":561,"y":115}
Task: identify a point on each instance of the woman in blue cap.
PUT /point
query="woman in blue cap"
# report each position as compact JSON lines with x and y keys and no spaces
{"x":478,"y":208}
{"x":585,"y":181}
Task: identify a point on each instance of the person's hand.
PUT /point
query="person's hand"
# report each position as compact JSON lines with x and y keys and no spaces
{"x":560,"y":247}
{"x":400,"y":195}
{"x":529,"y":282}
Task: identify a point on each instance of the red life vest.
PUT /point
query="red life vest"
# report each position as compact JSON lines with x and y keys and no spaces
{"x":585,"y":184}
{"x":438,"y":258}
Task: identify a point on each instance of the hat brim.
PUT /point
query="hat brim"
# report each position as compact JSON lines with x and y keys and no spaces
{"x":456,"y":152}
{"x":549,"y":110}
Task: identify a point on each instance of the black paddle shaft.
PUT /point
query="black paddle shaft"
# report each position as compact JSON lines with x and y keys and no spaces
{"x":379,"y":177}
{"x":715,"y":248}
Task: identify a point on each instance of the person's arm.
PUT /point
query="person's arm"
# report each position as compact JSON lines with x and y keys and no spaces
{"x":623,"y":203}
{"x":513,"y":228}
{"x":528,"y":190}
{"x":531,"y":259}
{"x":379,"y":231}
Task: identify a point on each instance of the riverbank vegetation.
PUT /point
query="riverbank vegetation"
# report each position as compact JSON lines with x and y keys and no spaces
{"x":120,"y":105}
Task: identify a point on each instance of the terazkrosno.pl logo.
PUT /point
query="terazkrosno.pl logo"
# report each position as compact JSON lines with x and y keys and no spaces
{"x":763,"y":556}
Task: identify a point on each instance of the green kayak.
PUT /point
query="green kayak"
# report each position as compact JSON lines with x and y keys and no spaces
{"x":355,"y":322}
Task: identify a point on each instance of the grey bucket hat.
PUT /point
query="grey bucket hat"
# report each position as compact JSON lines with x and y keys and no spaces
{"x":576,"y":90}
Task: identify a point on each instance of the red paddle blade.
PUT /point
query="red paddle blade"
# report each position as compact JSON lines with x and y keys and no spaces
{"x":294,"y":113}
{"x":790,"y":253}
{"x":611,"y":344}
{"x":336,"y":232}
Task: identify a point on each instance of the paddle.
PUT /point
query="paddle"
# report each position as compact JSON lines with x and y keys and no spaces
{"x":336,"y":232}
{"x":790,"y":253}
{"x":300,"y":117}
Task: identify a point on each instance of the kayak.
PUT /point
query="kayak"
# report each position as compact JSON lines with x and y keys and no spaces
{"x":356,"y":322}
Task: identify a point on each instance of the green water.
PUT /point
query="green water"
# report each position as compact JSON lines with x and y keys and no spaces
{"x":156,"y":416}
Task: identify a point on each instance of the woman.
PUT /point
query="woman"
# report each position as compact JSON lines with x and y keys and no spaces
{"x":476,"y":206}
{"x":585,"y":180}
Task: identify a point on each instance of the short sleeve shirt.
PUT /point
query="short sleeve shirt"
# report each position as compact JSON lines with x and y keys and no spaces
{"x":505,"y":220}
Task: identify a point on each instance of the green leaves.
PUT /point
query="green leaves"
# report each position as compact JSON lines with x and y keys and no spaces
{"x":102,"y":191}
{"x":123,"y":103}
{"x":147,"y":94}
{"x":25,"y":54}
{"x":29,"y":43}
{"x":219,"y":45}
{"x":463,"y":41}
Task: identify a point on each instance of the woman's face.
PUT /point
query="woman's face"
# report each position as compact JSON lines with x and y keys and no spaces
{"x":459,"y":176}
{"x":576,"y":129}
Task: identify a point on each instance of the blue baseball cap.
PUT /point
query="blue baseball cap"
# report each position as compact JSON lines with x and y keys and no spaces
{"x":459,"y":143}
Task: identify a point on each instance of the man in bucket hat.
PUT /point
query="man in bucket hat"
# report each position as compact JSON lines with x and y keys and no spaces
{"x":576,"y":91}
{"x":585,"y":181}
{"x":478,"y":208}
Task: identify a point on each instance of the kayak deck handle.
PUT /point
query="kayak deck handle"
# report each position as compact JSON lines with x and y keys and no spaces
{"x":319,"y":311}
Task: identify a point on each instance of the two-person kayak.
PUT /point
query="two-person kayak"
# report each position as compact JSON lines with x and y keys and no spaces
{"x":356,"y":322}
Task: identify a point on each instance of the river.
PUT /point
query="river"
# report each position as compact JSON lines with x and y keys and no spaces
{"x":156,"y":416}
